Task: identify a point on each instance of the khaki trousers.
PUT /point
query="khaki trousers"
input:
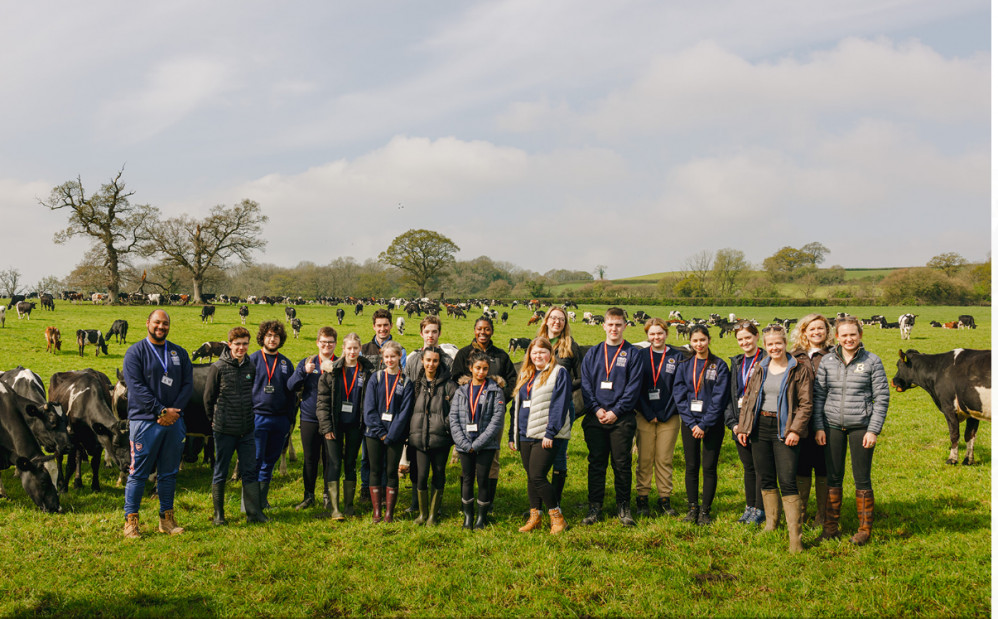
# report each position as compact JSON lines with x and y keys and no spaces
{"x":656,"y":446}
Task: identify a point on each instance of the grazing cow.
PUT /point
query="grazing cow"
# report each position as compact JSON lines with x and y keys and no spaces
{"x":154,"y":299}
{"x":534,"y":320}
{"x":289,"y":313}
{"x":674,"y":314}
{"x":587,"y":317}
{"x":296,"y":327}
{"x":243,"y":313}
{"x":19,"y":448}
{"x":24,"y":309}
{"x":358,"y":309}
{"x":91,"y":336}
{"x":15,"y":299}
{"x":340,"y":315}
{"x":93,"y":427}
{"x":97,"y":298}
{"x":598,"y":319}
{"x":208,"y":312}
{"x":53,"y":340}
{"x":47,"y":302}
{"x":520,"y":343}
{"x":505,"y":316}
{"x":682,"y":330}
{"x":967,"y":321}
{"x":959,"y":382}
{"x":889,"y":325}
{"x":51,"y":426}
{"x":400,"y":324}
{"x":209,"y":350}
{"x":119,"y":329}
{"x":905,"y":323}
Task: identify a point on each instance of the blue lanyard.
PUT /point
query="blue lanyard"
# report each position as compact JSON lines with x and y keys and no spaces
{"x":746,"y":373}
{"x":166,"y":366}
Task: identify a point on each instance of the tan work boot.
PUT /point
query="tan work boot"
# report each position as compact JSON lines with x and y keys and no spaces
{"x":771,"y":504}
{"x":533,"y":523}
{"x":557,"y":520}
{"x":168,"y":525}
{"x":131,"y":530}
{"x":791,"y":505}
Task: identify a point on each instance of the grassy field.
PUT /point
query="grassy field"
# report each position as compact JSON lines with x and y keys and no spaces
{"x":930,"y":554}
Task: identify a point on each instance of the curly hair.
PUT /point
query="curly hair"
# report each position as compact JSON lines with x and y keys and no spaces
{"x":275,"y":326}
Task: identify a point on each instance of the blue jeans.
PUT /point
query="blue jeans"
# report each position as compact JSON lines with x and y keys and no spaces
{"x":225,"y":446}
{"x":271,"y":434}
{"x":153,"y":445}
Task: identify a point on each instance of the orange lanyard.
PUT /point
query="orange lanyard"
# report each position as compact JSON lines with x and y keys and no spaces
{"x":606,"y":358}
{"x":696,"y":385}
{"x":349,"y":388}
{"x":473,"y":400}
{"x":270,"y":370}
{"x":656,"y":373}
{"x":388,"y":396}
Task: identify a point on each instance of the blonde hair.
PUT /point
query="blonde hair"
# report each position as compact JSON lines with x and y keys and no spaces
{"x":391,"y":345}
{"x":656,"y":322}
{"x":799,"y":340}
{"x":564,"y":350}
{"x":352,"y":337}
{"x":527,"y":369}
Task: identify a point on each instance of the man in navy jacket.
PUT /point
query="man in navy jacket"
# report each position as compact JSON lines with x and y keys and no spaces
{"x":159,"y":377}
{"x":611,"y":385}
{"x":273,"y":403}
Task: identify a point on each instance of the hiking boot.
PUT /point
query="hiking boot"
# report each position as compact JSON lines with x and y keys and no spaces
{"x":131,"y":530}
{"x":595,"y":514}
{"x":168,"y":525}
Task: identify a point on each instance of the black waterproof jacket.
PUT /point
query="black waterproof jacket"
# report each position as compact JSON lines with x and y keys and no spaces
{"x":228,"y":395}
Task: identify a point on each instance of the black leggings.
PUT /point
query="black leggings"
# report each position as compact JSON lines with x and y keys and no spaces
{"x":475,"y":466}
{"x":312,"y":454}
{"x":753,"y":489}
{"x":774,"y":460}
{"x":710,"y":445}
{"x":812,"y":458}
{"x":378,"y":453}
{"x":537,"y":462}
{"x":835,"y":457}
{"x":434,"y":459}
{"x":342,"y":452}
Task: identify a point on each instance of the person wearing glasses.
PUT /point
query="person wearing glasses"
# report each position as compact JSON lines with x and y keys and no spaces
{"x":747,"y":336}
{"x":700,"y":391}
{"x":774,"y":415}
{"x":810,"y":341}
{"x":851,"y":395}
{"x":305,"y":379}
{"x":273,"y":402}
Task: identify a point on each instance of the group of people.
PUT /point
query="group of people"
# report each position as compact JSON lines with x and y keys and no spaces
{"x":793,"y":407}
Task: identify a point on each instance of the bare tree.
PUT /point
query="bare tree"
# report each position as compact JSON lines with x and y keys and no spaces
{"x":116,"y":226}
{"x":600,"y":271}
{"x":699,"y":267}
{"x":10,"y":280}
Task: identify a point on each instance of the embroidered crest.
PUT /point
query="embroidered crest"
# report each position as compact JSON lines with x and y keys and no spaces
{"x":138,"y":446}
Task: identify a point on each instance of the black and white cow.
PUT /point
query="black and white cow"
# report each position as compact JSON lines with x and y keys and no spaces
{"x":289,"y":313}
{"x":959,"y":382}
{"x":400,"y":325}
{"x":24,"y":309}
{"x":243,"y":313}
{"x":209,"y":350}
{"x":208,"y":312}
{"x":119,"y":329}
{"x":91,"y":336}
{"x":50,"y":425}
{"x":15,"y":299}
{"x":296,"y":327}
{"x":19,"y":448}
{"x":358,"y":309}
{"x":93,"y":427}
{"x":518,"y":343}
{"x":905,"y":323}
{"x":967,"y":321}
{"x":340,"y":315}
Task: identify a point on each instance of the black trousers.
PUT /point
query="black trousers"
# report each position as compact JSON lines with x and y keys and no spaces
{"x":312,"y":453}
{"x":387,"y":456}
{"x":812,"y":458}
{"x":342,"y":453}
{"x":435,"y":460}
{"x":609,"y":443}
{"x":702,"y":452}
{"x":753,"y":489}
{"x":774,"y":460}
{"x":835,"y":457}
{"x":475,"y":467}
{"x":537,"y":461}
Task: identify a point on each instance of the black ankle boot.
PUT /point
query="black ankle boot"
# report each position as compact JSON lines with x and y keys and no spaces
{"x":595,"y":514}
{"x":693,"y":513}
{"x":624,"y":514}
{"x":642,"y":505}
{"x":665,"y":506}
{"x":704,"y":518}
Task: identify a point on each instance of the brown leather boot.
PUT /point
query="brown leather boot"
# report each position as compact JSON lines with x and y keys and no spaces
{"x":375,"y":504}
{"x":131,"y":530}
{"x":864,"y":507}
{"x":791,"y":505}
{"x":771,"y":504}
{"x":821,"y":498}
{"x":534,"y":522}
{"x":168,"y":525}
{"x":833,"y":509}
{"x":557,"y":520}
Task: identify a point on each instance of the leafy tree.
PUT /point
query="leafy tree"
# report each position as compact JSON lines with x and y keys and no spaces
{"x":499,"y":289}
{"x":688,"y":286}
{"x":729,"y":265}
{"x":116,"y":226}
{"x":199,"y":245}
{"x":923,"y":286}
{"x":815,"y":252}
{"x":949,"y":263}
{"x":423,"y":255}
{"x":600,"y":271}
{"x":980,"y":278}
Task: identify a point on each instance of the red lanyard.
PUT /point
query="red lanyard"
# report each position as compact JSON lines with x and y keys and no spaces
{"x":696,"y":385}
{"x":349,"y":388}
{"x":473,"y":400}
{"x":388,"y":397}
{"x":746,"y":373}
{"x":530,"y":385}
{"x":655,"y":373}
{"x":606,"y":358}
{"x":270,"y":370}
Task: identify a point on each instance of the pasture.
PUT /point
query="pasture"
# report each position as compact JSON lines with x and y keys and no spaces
{"x":930,"y":554}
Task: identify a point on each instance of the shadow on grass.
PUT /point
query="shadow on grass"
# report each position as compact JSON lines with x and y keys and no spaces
{"x":138,"y":605}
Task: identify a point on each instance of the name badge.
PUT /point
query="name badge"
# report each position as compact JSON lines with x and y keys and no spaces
{"x":268,"y":389}
{"x":176,"y":360}
{"x":696,"y":406}
{"x":711,"y":374}
{"x":386,"y":416}
{"x":654,"y":394}
{"x":347,"y":407}
{"x":670,"y":369}
{"x":525,"y":404}
{"x":740,"y":402}
{"x":166,"y":380}
{"x":606,"y":384}
{"x":471,"y":427}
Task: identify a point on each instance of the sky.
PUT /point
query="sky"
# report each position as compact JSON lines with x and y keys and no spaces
{"x":553,"y":135}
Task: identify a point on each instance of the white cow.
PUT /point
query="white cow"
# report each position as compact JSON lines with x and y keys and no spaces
{"x":400,"y":325}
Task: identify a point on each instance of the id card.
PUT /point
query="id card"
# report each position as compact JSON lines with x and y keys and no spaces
{"x":347,"y":407}
{"x":606,"y":384}
{"x":386,"y":416}
{"x":166,"y":380}
{"x":740,"y":402}
{"x":268,"y":389}
{"x":525,"y":404}
{"x":696,"y":406}
{"x":654,"y":394}
{"x":471,"y":427}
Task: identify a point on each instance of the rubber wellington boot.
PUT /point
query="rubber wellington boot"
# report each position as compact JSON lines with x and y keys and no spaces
{"x":218,"y":501}
{"x":375,"y":504}
{"x":423,"y":499}
{"x":792,"y":507}
{"x":483,"y":515}
{"x":771,"y":505}
{"x":349,"y":488}
{"x":468,"y":507}
{"x":391,"y":497}
{"x":264,"y":491}
{"x":436,"y":498}
{"x":333,"y":492}
{"x":251,"y":502}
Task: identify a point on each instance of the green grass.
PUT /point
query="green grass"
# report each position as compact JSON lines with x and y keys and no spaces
{"x":930,"y":554}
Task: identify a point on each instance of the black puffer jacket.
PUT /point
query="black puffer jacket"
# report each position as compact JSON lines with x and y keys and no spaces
{"x":331,"y":393}
{"x":429,"y":427}
{"x":228,"y":395}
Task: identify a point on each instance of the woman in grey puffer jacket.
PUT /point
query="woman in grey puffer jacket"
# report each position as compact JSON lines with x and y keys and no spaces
{"x":851,"y":395}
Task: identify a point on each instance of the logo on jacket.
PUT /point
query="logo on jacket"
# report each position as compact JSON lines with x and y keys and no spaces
{"x":859,"y":368}
{"x":138,"y":446}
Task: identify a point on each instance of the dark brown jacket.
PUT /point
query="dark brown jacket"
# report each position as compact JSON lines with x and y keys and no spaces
{"x":799,"y":394}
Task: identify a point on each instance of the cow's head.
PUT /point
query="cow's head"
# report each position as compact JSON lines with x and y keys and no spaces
{"x":115,"y":442}
{"x":905,"y":378}
{"x":55,"y":436}
{"x":38,"y":483}
{"x":119,"y":398}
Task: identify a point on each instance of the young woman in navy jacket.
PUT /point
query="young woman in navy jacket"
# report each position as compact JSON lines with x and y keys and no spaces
{"x":747,"y":336}
{"x":388,"y":401}
{"x":701,"y":395}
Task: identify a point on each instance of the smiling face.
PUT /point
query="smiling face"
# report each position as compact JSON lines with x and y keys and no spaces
{"x":816,"y":333}
{"x":540,"y":357}
{"x":326,"y":346}
{"x":391,"y":358}
{"x":656,"y":336}
{"x":238,"y":347}
{"x":158,"y":326}
{"x":776,"y":344}
{"x":849,"y":337}
{"x":479,"y":372}
{"x":431,"y":361}
{"x":700,"y":344}
{"x":351,"y":350}
{"x":382,"y":329}
{"x":747,"y":341}
{"x":555,"y":323}
{"x":483,"y":333}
